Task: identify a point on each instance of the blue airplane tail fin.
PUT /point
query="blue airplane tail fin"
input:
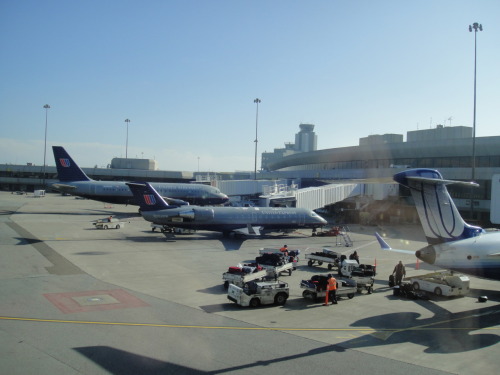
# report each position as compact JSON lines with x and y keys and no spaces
{"x":67,"y":169}
{"x":438,"y":214}
{"x":147,"y":197}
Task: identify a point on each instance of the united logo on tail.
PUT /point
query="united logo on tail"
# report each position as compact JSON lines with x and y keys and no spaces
{"x":149,"y":199}
{"x":64,"y":162}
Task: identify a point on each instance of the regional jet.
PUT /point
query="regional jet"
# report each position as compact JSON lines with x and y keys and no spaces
{"x":239,"y":220}
{"x":72,"y":180}
{"x":452,"y":243}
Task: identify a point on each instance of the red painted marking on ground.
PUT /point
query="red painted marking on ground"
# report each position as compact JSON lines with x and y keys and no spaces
{"x":66,"y":303}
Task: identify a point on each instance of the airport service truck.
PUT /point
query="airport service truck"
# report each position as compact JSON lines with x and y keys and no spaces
{"x":442,"y":283}
{"x":255,"y":294}
{"x":109,"y":223}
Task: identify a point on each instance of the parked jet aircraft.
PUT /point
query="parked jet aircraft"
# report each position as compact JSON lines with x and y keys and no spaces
{"x":74,"y":181}
{"x":240,"y":220}
{"x":453,"y":244}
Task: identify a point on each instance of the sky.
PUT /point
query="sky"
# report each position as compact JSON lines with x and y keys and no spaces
{"x":186,"y":73}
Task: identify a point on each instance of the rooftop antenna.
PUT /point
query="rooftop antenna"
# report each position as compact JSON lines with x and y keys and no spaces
{"x":449,"y":119}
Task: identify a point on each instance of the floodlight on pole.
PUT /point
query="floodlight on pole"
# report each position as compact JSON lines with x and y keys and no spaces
{"x":474,"y":27}
{"x":127,"y":121}
{"x":46,"y":106}
{"x":256,"y":101}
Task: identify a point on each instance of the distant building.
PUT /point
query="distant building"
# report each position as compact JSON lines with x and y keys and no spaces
{"x":305,"y":141}
{"x":381,"y":139}
{"x":127,"y":163}
{"x":447,"y":149}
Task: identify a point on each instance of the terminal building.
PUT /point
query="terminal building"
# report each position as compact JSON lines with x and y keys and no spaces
{"x":323,"y":178}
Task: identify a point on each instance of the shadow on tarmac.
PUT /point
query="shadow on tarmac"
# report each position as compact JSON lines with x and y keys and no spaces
{"x":121,"y":362}
{"x":444,"y":333}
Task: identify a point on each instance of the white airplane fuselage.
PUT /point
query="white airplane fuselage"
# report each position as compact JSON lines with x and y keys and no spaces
{"x":472,"y":256}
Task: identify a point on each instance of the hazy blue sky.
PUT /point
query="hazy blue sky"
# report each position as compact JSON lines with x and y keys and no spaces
{"x":186,"y":74}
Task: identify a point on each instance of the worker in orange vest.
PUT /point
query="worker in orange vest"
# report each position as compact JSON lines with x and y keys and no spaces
{"x":284,"y":250}
{"x":331,"y":290}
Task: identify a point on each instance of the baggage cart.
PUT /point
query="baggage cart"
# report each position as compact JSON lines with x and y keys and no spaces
{"x":315,"y":288}
{"x":240,"y":278}
{"x":327,"y":256}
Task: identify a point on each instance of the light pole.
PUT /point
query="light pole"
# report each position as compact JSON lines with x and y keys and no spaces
{"x":257,"y":101}
{"x":126,"y":144}
{"x":46,"y":106}
{"x":475,"y":26}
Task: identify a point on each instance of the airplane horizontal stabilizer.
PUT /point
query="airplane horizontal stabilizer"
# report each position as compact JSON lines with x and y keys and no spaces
{"x":434,"y":181}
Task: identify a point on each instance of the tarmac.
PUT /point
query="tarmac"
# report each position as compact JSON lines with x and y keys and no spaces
{"x":80,"y":300}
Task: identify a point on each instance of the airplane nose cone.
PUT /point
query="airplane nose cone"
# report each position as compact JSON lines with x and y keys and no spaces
{"x":321,"y":220}
{"x":427,"y":255}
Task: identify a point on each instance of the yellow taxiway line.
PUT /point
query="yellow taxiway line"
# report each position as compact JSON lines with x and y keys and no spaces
{"x":425,"y":327}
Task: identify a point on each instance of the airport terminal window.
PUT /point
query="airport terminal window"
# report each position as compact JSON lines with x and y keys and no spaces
{"x":483,"y":161}
{"x":463,"y":161}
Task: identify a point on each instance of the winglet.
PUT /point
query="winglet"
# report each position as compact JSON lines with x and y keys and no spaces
{"x":384,"y":245}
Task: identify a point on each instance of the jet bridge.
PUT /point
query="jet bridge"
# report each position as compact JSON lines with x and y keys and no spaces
{"x":313,"y":197}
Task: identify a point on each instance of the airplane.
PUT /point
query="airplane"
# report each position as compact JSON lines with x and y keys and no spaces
{"x":452,"y":243}
{"x":238,"y":220}
{"x":72,"y":180}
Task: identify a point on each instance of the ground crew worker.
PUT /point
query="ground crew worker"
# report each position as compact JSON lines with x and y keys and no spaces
{"x":284,"y":250}
{"x":400,"y":272}
{"x":331,"y":290}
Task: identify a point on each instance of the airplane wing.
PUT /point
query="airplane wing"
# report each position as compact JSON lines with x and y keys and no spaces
{"x":248,"y":230}
{"x":63,"y":187}
{"x":385,"y":246}
{"x":175,"y":202}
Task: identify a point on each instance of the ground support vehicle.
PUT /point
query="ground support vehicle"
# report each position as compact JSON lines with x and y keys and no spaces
{"x":275,"y":263}
{"x":273,"y":272}
{"x":349,"y":267}
{"x":315,"y":288}
{"x":166,"y":229}
{"x":333,"y":231}
{"x":272,"y":250}
{"x":443,"y":283}
{"x":363,"y":274}
{"x":108,"y":223}
{"x":327,"y":256}
{"x":259,"y":293}
{"x":243,"y":277}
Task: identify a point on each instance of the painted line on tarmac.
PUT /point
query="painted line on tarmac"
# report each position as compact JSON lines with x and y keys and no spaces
{"x":157,"y":325}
